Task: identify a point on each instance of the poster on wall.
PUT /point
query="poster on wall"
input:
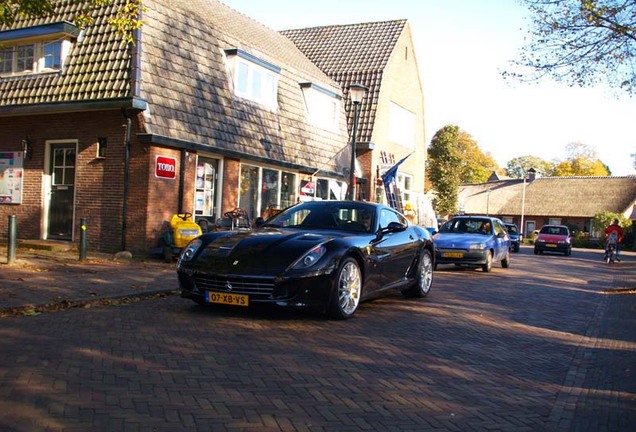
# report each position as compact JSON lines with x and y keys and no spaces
{"x":11,"y":177}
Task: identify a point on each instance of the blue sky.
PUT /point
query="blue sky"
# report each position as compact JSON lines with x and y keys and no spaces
{"x":461,"y":47}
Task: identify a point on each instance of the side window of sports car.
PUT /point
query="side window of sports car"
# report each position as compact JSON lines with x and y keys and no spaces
{"x":388,"y":216}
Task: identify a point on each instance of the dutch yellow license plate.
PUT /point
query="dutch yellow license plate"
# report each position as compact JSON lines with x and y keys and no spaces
{"x":227,"y":298}
{"x":550,"y":245}
{"x":453,"y":254}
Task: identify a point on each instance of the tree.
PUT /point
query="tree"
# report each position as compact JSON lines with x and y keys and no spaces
{"x":580,"y":42}
{"x":604,"y":218}
{"x":519,"y":166}
{"x":580,"y":167}
{"x":125,"y":22}
{"x":444,"y":172}
{"x":581,"y":161}
{"x":476,"y":166}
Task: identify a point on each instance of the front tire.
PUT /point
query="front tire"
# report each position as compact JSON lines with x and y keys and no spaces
{"x":424,"y":277}
{"x":505,"y":263}
{"x":347,"y":290}
{"x":488,"y":266}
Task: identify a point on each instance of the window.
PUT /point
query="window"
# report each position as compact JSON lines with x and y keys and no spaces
{"x":405,"y":183}
{"x":206,"y":187}
{"x":264,"y":189}
{"x":401,"y":126}
{"x":37,"y":49}
{"x":323,"y":106}
{"x":24,"y":58}
{"x":43,"y":56}
{"x":254,"y":79}
{"x":53,"y":55}
{"x":102,"y":144}
{"x":6,"y":60}
{"x":322,"y":189}
{"x":387,"y":216}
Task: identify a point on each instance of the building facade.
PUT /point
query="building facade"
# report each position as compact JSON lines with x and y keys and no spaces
{"x":207,"y":111}
{"x":534,"y":202}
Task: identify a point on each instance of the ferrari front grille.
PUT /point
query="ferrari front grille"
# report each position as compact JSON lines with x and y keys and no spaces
{"x":253,"y":286}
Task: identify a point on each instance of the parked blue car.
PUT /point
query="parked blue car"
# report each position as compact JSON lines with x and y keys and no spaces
{"x":515,"y":236}
{"x":475,"y":241}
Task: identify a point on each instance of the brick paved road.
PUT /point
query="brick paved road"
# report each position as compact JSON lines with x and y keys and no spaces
{"x":535,"y":347}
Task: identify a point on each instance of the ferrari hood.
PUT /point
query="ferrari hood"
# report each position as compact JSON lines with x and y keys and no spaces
{"x":264,"y":252}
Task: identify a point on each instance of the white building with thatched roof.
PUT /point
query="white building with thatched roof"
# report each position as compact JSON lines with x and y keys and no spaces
{"x":556,"y":200}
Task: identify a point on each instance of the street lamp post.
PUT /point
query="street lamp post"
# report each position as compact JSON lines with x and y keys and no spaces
{"x":357,"y":93}
{"x":523,"y":203}
{"x":488,"y":202}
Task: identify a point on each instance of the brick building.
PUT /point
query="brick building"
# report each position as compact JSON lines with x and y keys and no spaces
{"x":207,"y":111}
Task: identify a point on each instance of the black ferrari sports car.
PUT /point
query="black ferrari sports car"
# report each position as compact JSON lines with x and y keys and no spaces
{"x":321,"y":254}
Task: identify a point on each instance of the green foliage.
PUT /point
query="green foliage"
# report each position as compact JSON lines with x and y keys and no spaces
{"x":125,"y":22}
{"x":604,"y":219}
{"x":518,"y":167}
{"x":580,"y":42}
{"x":475,"y":166}
{"x":444,"y":173}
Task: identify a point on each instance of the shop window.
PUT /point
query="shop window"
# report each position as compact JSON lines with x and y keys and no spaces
{"x":206,"y":187}
{"x":265,"y":189}
{"x":322,"y":189}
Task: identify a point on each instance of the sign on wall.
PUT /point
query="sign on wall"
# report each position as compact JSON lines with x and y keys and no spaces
{"x":166,"y":167}
{"x":11,"y":172}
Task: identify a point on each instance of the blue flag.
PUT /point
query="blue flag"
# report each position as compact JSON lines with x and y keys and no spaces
{"x":389,"y":176}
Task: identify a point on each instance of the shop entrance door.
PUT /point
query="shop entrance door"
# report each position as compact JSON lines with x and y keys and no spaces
{"x":62,"y":170}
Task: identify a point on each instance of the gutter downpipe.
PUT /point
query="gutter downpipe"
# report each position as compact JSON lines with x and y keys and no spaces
{"x":184,"y":155}
{"x":124,"y":207}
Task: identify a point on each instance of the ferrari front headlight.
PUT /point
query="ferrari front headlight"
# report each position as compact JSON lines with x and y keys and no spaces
{"x":309,"y":258}
{"x":190,"y":250}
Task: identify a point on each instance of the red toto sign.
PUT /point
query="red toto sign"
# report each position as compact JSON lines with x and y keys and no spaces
{"x":166,"y":167}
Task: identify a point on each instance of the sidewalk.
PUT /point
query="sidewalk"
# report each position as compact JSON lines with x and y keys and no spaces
{"x":40,"y":280}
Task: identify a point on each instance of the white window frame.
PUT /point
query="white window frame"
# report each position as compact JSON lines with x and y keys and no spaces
{"x":322,"y":106}
{"x":404,"y":180}
{"x":253,"y":79}
{"x":38,"y":60}
{"x":401,"y":126}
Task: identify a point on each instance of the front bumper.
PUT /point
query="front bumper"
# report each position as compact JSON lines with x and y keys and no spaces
{"x":552,"y":247}
{"x":311,"y":291}
{"x":468,"y":256}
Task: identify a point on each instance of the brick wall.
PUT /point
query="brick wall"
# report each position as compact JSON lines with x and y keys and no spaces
{"x":99,"y":182}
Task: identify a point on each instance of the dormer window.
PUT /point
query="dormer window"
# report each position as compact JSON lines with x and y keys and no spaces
{"x":36,"y":49}
{"x":323,"y":106}
{"x":253,"y":78}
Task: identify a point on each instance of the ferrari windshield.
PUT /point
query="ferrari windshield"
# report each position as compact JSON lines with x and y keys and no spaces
{"x":332,"y":215}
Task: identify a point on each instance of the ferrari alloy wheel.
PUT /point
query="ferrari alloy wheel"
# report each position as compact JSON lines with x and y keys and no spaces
{"x":423,"y":278}
{"x":488,"y":266}
{"x":347,"y":291}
